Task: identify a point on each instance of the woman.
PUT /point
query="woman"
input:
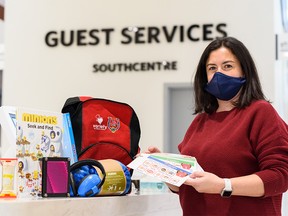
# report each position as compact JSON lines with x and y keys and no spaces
{"x":237,"y":137}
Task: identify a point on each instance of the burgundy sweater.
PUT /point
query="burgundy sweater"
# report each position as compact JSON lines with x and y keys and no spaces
{"x":237,"y":143}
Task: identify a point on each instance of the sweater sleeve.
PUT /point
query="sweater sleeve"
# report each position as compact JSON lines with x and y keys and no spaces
{"x":269,"y":137}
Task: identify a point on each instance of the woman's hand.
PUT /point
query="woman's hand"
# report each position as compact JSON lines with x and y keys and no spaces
{"x":205,"y":182}
{"x":152,"y":149}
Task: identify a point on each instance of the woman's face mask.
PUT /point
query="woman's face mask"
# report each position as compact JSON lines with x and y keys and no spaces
{"x":224,"y":87}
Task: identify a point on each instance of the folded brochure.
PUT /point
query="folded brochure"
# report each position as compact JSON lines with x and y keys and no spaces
{"x":168,"y":167}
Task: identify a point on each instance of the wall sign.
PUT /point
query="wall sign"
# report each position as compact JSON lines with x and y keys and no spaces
{"x":135,"y":35}
{"x":128,"y":36}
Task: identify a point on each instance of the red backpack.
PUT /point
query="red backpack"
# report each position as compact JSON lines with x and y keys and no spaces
{"x":103,"y":129}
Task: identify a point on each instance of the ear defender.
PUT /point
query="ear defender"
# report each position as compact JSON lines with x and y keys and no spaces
{"x":128,"y":178}
{"x":72,"y":188}
{"x":89,"y":186}
{"x":84,"y":179}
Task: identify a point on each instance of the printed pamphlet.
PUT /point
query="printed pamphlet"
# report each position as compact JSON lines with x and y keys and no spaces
{"x":170,"y":168}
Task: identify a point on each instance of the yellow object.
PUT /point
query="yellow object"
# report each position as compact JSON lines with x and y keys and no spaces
{"x":8,"y":177}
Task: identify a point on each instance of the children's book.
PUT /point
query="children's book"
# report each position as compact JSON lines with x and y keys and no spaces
{"x":33,"y":134}
{"x":38,"y":134}
{"x":8,"y":131}
{"x":170,"y":168}
{"x":69,"y":147}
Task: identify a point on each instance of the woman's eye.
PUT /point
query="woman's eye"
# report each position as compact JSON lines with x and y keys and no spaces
{"x":212,"y":68}
{"x":227,"y":66}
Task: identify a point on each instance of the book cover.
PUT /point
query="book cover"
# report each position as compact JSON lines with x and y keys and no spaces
{"x":167,"y":167}
{"x":69,"y":147}
{"x":38,"y":134}
{"x":8,"y":131}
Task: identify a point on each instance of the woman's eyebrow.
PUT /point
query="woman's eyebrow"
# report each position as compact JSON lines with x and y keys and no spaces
{"x":209,"y":64}
{"x":229,"y":61}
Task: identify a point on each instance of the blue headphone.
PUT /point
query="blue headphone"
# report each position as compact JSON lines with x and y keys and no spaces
{"x":84,"y":179}
{"x":128,"y":178}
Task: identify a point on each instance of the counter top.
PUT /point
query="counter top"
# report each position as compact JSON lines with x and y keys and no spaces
{"x":161,"y":204}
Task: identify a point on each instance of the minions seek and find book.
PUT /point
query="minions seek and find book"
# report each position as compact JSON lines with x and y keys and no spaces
{"x":38,"y":134}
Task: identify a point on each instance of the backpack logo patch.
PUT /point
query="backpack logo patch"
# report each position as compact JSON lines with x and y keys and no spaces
{"x":113,"y":124}
{"x":99,"y":126}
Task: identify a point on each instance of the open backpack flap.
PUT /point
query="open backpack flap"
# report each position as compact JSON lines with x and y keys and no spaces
{"x":103,"y":129}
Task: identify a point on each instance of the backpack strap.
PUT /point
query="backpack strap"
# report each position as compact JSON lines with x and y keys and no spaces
{"x":71,"y":104}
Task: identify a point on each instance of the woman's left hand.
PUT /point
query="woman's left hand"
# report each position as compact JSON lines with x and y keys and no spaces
{"x":205,"y":182}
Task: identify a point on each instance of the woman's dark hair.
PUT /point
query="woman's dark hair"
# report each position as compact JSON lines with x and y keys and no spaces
{"x":251,"y":89}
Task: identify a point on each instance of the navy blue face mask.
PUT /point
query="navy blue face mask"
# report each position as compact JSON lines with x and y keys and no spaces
{"x":224,"y":87}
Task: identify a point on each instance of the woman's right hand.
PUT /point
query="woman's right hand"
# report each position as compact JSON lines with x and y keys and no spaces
{"x":152,"y":149}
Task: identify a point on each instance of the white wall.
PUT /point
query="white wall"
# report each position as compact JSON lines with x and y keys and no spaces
{"x":42,"y":77}
{"x":281,"y":66}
